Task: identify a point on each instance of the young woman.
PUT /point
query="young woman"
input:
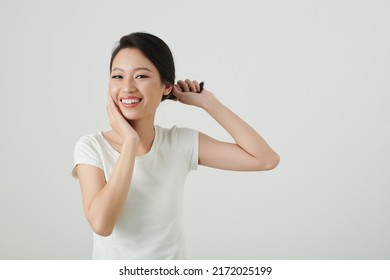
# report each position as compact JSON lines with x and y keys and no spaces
{"x":132,"y":177}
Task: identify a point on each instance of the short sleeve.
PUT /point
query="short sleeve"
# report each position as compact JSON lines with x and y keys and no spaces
{"x":86,"y":151}
{"x":188,"y":142}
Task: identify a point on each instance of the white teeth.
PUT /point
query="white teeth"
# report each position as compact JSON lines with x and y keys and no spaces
{"x":131,"y":101}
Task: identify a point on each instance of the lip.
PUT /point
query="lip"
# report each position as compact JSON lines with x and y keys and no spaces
{"x":129,"y":97}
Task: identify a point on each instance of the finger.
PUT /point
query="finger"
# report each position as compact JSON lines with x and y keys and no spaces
{"x":183,"y":85}
{"x":176,"y":91}
{"x":109,"y":113}
{"x":111,"y":105}
{"x":191,"y":85}
{"x":114,"y":105}
{"x":114,"y":110}
{"x":196,"y":86}
{"x":108,"y":105}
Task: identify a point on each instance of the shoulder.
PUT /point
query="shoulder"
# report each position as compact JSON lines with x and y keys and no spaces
{"x":87,"y":150}
{"x":90,"y":144}
{"x":89,"y":139}
{"x":183,"y":142}
{"x":175,"y":133}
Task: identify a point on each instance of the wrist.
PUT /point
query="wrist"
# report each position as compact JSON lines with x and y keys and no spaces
{"x":210,"y":104}
{"x":130,"y":143}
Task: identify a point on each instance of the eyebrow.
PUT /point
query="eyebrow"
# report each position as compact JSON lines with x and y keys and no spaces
{"x":135,"y":69}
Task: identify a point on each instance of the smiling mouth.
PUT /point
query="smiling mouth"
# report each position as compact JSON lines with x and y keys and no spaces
{"x":130,"y":101}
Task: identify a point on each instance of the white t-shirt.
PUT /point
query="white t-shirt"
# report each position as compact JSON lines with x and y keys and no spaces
{"x":150,"y":226}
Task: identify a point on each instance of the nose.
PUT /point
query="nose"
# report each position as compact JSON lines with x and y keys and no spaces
{"x":129,"y":85}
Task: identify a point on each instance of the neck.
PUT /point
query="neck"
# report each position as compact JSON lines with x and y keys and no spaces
{"x":145,"y":131}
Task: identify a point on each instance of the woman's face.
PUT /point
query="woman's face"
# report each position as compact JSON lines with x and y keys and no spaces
{"x":135,"y":84}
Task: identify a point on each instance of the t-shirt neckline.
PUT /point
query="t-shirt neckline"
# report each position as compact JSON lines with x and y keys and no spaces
{"x":137,"y":158}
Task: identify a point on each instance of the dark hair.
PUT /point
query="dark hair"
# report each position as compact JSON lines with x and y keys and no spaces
{"x":156,"y":50}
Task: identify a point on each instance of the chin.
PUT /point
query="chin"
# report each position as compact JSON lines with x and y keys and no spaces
{"x":129,"y":117}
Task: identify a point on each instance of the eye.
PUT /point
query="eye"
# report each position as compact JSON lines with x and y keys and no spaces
{"x":141,"y":76}
{"x":117,"y":77}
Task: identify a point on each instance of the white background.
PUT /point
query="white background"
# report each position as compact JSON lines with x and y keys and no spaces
{"x":311,"y":76}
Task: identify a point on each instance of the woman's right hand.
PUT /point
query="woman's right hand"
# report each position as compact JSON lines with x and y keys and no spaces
{"x":119,"y":124}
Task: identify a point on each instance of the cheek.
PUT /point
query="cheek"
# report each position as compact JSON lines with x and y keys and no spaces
{"x":113,"y":90}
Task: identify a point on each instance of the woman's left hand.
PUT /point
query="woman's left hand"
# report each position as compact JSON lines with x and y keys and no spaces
{"x":188,"y":92}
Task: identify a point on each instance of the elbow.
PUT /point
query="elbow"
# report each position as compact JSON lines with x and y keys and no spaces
{"x":273,"y":162}
{"x":101,"y":222}
{"x":270,"y":164}
{"x":102,"y":231}
{"x":276,"y":161}
{"x":101,"y":228}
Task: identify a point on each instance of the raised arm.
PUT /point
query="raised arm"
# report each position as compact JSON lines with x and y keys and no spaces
{"x":250,"y":152}
{"x":103,"y":201}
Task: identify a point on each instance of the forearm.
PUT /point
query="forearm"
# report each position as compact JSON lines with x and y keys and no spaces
{"x":243,"y":134}
{"x":108,"y":204}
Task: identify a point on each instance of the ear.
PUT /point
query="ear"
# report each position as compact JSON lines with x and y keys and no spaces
{"x":168,"y":88}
